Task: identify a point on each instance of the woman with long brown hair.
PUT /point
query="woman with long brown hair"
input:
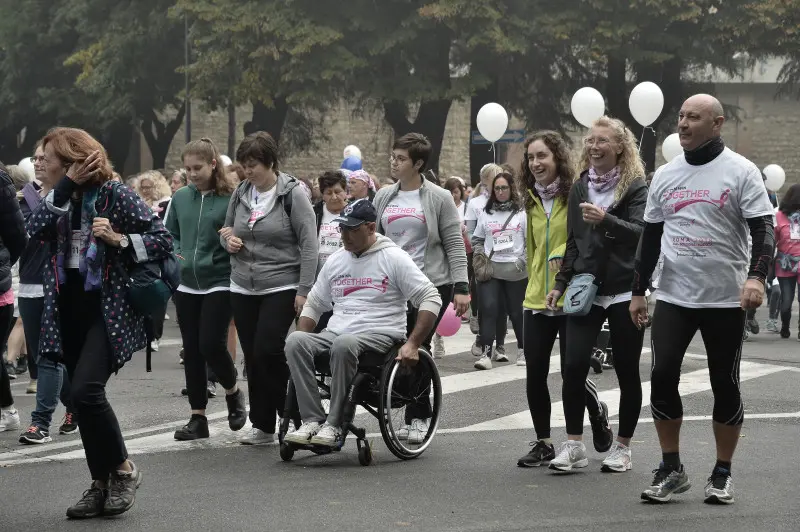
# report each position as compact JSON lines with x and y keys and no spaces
{"x":203,"y":300}
{"x":547,"y":175}
{"x":96,"y":231}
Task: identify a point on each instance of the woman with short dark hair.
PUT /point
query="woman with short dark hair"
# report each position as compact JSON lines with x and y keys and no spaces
{"x":270,"y":235}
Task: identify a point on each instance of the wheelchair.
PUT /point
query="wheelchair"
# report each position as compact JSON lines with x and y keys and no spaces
{"x":381,"y":387}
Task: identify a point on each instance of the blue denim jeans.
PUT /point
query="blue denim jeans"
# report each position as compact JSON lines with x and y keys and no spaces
{"x":53,"y":381}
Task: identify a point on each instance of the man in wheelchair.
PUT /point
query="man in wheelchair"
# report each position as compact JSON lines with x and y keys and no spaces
{"x":367,"y":285}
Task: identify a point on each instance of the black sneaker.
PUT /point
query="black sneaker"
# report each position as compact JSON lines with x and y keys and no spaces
{"x":608,"y":360}
{"x":122,"y":488}
{"x":184,"y":391}
{"x":90,"y":505}
{"x":719,"y":489}
{"x":34,"y":435}
{"x":237,"y":412}
{"x":22,"y":364}
{"x":11,"y":369}
{"x":196,"y":428}
{"x":540,"y":455}
{"x":752,"y":326}
{"x":212,"y":389}
{"x":785,"y":333}
{"x":70,"y":424}
{"x":602,"y":435}
{"x":666,"y":483}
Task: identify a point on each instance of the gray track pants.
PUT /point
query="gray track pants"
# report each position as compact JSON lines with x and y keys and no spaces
{"x":302,"y":347}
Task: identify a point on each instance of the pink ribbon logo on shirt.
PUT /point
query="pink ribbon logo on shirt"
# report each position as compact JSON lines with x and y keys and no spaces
{"x":362,"y":284}
{"x":702,"y":199}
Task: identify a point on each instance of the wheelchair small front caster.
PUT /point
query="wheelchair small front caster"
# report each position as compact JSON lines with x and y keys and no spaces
{"x":287,"y":452}
{"x":365,"y":454}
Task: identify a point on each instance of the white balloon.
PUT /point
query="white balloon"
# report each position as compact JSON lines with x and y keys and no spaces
{"x":492,"y":121}
{"x":226,"y":161}
{"x":26,"y":165}
{"x":646,"y":102}
{"x":352,"y":151}
{"x":587,"y":106}
{"x":671,"y":147}
{"x":776,"y":177}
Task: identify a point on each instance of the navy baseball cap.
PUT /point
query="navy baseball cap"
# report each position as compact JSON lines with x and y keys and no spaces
{"x":357,"y":213}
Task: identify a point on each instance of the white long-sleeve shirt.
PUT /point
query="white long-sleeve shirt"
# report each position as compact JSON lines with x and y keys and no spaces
{"x":369,"y":293}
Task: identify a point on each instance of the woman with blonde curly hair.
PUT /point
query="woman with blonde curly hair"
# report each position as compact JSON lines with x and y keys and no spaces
{"x":605,"y":221}
{"x":153,"y":188}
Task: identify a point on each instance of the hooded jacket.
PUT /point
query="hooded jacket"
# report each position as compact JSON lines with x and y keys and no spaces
{"x":12,"y":230}
{"x":281,"y":249}
{"x":611,"y":243}
{"x":368,"y":292}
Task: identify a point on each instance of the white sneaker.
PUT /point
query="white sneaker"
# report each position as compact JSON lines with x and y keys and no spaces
{"x":418,"y":431}
{"x":772,"y":326}
{"x":256,"y":437}
{"x":438,"y":346}
{"x":402,"y":432}
{"x":9,"y":419}
{"x":500,"y":354}
{"x":154,"y":345}
{"x":520,"y":357}
{"x":166,"y":317}
{"x":618,"y":460}
{"x":485,"y":362}
{"x":571,"y":455}
{"x":302,"y":435}
{"x":329,"y":436}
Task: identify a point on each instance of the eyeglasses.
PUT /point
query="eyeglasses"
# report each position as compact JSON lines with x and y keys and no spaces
{"x":502,"y":188}
{"x":599,"y":141}
{"x":40,"y":159}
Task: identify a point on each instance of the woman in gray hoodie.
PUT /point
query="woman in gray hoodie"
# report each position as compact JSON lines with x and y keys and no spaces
{"x":270,"y":232}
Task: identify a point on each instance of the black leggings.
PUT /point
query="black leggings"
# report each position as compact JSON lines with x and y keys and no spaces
{"x":540,"y":335}
{"x":722,"y":330}
{"x":204,"y":320}
{"x":422,"y":409}
{"x":497,"y":294}
{"x":582,"y":332}
{"x":6,"y":321}
{"x":263,"y":323}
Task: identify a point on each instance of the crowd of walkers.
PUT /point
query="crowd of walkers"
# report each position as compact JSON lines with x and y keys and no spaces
{"x":561,"y":248}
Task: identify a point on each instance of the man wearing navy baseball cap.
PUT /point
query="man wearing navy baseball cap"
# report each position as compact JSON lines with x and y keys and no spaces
{"x":366,"y":285}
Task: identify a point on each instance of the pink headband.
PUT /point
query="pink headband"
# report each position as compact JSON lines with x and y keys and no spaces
{"x":361,"y":175}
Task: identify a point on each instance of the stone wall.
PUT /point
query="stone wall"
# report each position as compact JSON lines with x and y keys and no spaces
{"x":767,"y":133}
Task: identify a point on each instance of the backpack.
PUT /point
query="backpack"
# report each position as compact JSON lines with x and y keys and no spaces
{"x":150,"y":284}
{"x":286,"y":199}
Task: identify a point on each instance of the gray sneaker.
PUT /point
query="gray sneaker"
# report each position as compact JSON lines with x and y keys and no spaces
{"x":666,"y":483}
{"x":500,"y":354}
{"x":257,"y":437}
{"x":571,"y":455}
{"x":122,"y":488}
{"x":438,"y":346}
{"x":772,"y":326}
{"x":719,"y":489}
{"x":477,"y":350}
{"x":474,"y":326}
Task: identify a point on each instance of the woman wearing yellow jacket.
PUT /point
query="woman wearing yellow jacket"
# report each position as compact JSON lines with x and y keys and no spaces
{"x":547,"y":175}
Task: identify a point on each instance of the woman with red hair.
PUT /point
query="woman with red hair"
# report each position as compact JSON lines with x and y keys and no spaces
{"x":97,"y":230}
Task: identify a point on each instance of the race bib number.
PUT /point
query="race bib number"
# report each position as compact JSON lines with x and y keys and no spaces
{"x":503,"y":240}
{"x":329,"y":244}
{"x":74,"y":260}
{"x":255,"y":215}
{"x":794,"y":232}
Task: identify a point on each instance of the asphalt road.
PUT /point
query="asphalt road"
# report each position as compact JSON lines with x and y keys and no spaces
{"x":467,"y":480}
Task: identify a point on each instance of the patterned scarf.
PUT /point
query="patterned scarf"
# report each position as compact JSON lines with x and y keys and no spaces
{"x":605,"y":182}
{"x":506,"y":206}
{"x":91,"y":252}
{"x":548,"y":192}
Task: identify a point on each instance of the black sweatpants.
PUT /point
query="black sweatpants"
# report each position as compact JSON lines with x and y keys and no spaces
{"x":582,"y":333}
{"x":88,"y":357}
{"x":497,"y":294}
{"x":673,"y":328}
{"x":204,"y":320}
{"x":540,"y":332}
{"x":423,"y":409}
{"x":263,"y":322}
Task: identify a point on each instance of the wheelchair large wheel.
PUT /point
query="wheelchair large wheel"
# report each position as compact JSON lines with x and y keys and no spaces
{"x":401,"y":387}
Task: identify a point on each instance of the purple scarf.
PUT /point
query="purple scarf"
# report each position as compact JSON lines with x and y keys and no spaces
{"x":548,"y":192}
{"x":605,"y":182}
{"x":92,"y":252}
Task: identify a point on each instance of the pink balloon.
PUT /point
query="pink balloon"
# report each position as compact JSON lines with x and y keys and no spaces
{"x":450,"y":323}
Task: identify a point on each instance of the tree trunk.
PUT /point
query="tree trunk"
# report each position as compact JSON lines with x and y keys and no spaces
{"x":116,"y":139}
{"x":159,"y":136}
{"x":231,"y":130}
{"x":479,"y":154}
{"x":431,"y":121}
{"x":269,"y":119}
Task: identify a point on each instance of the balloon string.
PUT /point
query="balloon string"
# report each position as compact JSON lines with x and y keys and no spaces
{"x":641,"y":140}
{"x":494,"y":153}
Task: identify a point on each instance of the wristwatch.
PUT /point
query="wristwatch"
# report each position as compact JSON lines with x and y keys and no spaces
{"x":124,"y":242}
